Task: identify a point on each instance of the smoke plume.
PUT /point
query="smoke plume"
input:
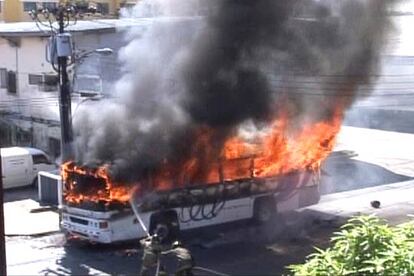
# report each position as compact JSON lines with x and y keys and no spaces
{"x":230,"y":67}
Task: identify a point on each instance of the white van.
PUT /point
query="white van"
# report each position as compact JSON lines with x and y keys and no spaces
{"x":21,"y":165}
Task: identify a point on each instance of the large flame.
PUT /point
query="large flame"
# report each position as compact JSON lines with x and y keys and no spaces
{"x":110,"y":191}
{"x":275,"y":153}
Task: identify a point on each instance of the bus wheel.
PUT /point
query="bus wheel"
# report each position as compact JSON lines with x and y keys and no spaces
{"x":264,"y":209}
{"x":165,"y":226}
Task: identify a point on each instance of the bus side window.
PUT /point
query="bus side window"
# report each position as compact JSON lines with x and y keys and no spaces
{"x":40,"y":159}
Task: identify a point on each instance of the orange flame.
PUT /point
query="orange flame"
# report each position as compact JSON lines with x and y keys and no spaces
{"x":304,"y":150}
{"x":108,"y":192}
{"x":278,"y":152}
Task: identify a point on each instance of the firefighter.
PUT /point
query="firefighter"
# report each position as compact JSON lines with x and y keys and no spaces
{"x":150,"y":257}
{"x":184,"y":258}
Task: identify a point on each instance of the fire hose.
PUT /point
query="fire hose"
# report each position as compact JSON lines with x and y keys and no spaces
{"x":136,"y":212}
{"x":215,"y":210}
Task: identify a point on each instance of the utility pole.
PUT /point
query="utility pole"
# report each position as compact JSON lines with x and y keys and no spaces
{"x":65,"y":108}
{"x":60,"y":49}
{"x":3,"y":264}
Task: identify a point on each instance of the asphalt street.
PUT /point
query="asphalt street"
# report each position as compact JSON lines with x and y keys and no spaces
{"x":362,"y":169}
{"x":244,"y":248}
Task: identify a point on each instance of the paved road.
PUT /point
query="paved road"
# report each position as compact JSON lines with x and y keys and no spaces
{"x":244,"y":248}
{"x":251,"y":250}
{"x":239,"y":249}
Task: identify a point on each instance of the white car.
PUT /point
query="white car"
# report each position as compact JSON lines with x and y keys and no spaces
{"x":20,"y":166}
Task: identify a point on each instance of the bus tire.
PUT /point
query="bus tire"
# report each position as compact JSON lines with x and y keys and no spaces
{"x":264,"y":209}
{"x":165,"y":225}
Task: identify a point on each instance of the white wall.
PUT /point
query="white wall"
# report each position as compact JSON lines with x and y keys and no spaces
{"x":8,"y":60}
{"x":29,"y":58}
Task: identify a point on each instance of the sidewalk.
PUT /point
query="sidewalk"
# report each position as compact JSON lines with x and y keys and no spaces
{"x":397,"y":203}
{"x":27,"y":218}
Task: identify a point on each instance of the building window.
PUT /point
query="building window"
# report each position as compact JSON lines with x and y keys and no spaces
{"x":35,"y":79}
{"x":54,"y":147}
{"x":23,"y":137}
{"x":127,"y":5}
{"x":51,"y":79}
{"x":11,"y":82}
{"x":29,"y":6}
{"x":3,"y":78}
{"x":49,"y":5}
{"x":46,"y":82}
{"x":82,"y":5}
{"x":40,"y":159}
{"x":102,"y":8}
{"x":50,"y":83}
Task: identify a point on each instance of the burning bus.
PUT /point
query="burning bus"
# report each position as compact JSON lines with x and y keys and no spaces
{"x":98,"y":210}
{"x":220,"y":117}
{"x":248,"y":182}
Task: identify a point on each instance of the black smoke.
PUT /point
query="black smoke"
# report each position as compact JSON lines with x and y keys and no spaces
{"x":232,"y":63}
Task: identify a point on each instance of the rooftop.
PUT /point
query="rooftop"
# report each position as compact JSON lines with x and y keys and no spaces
{"x":96,"y":25}
{"x":33,"y":29}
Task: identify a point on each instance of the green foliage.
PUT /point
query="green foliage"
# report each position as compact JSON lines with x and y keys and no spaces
{"x":366,"y":245}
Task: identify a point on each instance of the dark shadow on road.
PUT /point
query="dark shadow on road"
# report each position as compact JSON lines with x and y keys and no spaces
{"x":20,"y":193}
{"x":344,"y":174}
{"x":237,"y":249}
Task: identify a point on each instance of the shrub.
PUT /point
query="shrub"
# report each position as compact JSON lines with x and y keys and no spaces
{"x":364,"y":245}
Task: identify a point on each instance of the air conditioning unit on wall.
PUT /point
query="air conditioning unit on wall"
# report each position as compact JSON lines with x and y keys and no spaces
{"x":45,"y":82}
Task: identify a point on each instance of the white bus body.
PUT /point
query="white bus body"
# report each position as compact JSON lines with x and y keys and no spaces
{"x":121,"y":225}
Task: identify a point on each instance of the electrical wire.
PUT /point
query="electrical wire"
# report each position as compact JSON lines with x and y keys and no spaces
{"x":293,"y":75}
{"x":311,"y":92}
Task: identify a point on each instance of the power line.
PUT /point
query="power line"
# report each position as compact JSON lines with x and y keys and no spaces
{"x":343,"y":75}
{"x":52,"y":101}
{"x":344,"y":82}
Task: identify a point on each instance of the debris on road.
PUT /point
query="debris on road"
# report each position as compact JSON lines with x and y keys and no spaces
{"x":376,"y":204}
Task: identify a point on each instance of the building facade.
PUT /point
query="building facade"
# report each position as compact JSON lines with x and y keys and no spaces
{"x":18,"y":10}
{"x":29,"y":106}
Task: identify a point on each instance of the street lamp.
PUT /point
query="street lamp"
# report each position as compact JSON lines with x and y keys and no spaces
{"x":80,"y":56}
{"x":93,"y":98}
{"x":104,"y":51}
